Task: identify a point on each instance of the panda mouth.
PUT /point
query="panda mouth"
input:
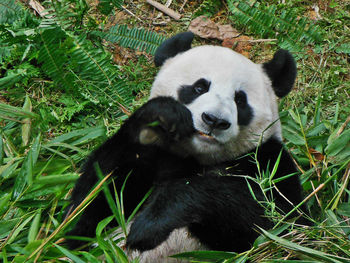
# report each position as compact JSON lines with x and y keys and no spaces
{"x":205,"y":135}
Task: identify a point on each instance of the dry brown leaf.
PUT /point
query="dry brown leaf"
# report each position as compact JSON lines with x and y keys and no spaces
{"x":240,"y":44}
{"x":205,"y":28}
{"x":318,"y":156}
{"x":227,"y":31}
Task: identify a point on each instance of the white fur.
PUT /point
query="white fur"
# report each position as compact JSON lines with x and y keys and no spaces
{"x":180,"y":240}
{"x":228,"y":72}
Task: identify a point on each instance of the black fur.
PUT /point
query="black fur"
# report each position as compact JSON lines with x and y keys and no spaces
{"x":188,"y":93}
{"x":244,"y":111}
{"x":123,"y":153}
{"x":219,"y":210}
{"x":282,"y":71}
{"x":172,"y":46}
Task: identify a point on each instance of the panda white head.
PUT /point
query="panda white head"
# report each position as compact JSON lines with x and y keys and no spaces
{"x":232,"y":100}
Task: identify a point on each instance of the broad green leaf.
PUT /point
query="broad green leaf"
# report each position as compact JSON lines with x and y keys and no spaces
{"x":120,"y":254}
{"x":7,"y":226}
{"x":42,"y":191}
{"x":111,"y":202}
{"x":35,"y":149}
{"x":4,"y":202}
{"x":4,"y":256}
{"x":2,"y":154}
{"x":87,"y":134}
{"x":317,"y":130}
{"x":21,"y":179}
{"x":339,"y":143}
{"x":34,"y":227}
{"x":10,"y":80}
{"x":293,"y":136}
{"x":102,"y":225}
{"x":8,"y":111}
{"x":26,"y":126}
{"x":69,"y":254}
{"x":56,"y":179}
{"x":19,"y":229}
{"x":344,"y":209}
{"x":9,"y":169}
{"x":90,"y":258}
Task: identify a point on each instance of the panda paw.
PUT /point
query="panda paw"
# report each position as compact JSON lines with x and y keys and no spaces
{"x":164,"y":120}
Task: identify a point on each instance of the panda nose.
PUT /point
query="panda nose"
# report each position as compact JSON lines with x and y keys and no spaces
{"x":215,"y":122}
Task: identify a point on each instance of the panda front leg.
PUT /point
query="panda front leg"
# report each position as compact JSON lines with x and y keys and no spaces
{"x":219,"y":211}
{"x":138,"y":147}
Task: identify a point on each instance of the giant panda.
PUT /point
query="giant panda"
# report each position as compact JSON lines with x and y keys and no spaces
{"x":211,"y":124}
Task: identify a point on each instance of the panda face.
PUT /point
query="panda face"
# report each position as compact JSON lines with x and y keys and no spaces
{"x":230,"y":98}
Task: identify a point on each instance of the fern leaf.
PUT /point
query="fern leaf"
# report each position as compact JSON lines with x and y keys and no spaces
{"x":5,"y":51}
{"x":97,"y":74}
{"x":268,"y":21}
{"x":135,"y":38}
{"x":9,"y":11}
{"x":54,"y":58}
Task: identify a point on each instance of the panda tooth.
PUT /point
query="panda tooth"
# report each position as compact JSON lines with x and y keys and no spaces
{"x":204,"y":134}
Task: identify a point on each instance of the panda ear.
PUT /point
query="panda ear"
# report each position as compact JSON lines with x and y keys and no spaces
{"x":172,"y":46}
{"x":282,"y":72}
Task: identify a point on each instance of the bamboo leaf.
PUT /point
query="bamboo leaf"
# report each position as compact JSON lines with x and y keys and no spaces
{"x":342,"y":142}
{"x":69,"y":254}
{"x":19,"y":229}
{"x":34,"y":227}
{"x":318,"y":255}
{"x":102,"y":225}
{"x":26,"y":126}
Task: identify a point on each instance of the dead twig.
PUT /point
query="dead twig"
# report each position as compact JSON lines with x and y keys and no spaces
{"x":256,"y":40}
{"x":183,"y":6}
{"x":342,"y":128}
{"x":164,"y":9}
{"x":131,"y":13}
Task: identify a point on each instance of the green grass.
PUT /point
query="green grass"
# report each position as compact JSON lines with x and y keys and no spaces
{"x":54,"y":112}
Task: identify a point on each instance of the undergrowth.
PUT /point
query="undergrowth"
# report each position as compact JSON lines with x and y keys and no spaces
{"x":64,"y":90}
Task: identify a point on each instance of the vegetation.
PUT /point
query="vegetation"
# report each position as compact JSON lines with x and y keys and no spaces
{"x":65,"y":86}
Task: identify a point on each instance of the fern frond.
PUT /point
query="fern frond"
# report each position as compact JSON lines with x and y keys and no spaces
{"x":9,"y":11}
{"x":135,"y":38}
{"x":54,"y":58}
{"x":89,"y":62}
{"x":268,"y":21}
{"x":5,"y":51}
{"x":94,"y":71}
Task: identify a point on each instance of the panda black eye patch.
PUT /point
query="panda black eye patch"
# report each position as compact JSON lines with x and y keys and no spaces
{"x":188,"y":93}
{"x":245,"y":112}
